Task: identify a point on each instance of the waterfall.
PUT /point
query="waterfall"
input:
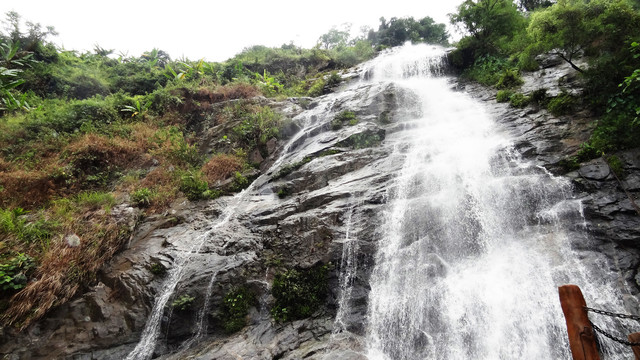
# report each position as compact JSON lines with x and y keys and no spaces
{"x":348,"y":272}
{"x":201,"y":319}
{"x":145,"y":347}
{"x":476,"y":240}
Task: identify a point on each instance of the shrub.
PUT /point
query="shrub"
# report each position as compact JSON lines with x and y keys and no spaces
{"x":562,"y":104}
{"x":487,"y":70}
{"x":283,"y":192}
{"x":317,"y":88}
{"x":334,"y":79}
{"x":518,"y":100}
{"x":95,"y":199}
{"x":183,"y":302}
{"x":239,"y":183}
{"x":36,"y":231}
{"x":142,"y":197}
{"x":289,"y":168}
{"x":298,"y":293}
{"x":14,"y":272}
{"x":503,"y":95}
{"x":342,"y":118}
{"x":171,"y":143}
{"x":510,"y":78}
{"x":259,"y":124}
{"x":157,"y":269}
{"x":235,"y":307}
{"x":539,"y":96}
{"x":194,"y":185}
{"x":616,"y":165}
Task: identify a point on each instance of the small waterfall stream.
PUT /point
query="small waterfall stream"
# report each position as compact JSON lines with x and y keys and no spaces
{"x":348,"y":272}
{"x":145,"y":347}
{"x":476,"y":240}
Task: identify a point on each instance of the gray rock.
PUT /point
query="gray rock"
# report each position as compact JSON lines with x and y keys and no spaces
{"x":595,"y":170}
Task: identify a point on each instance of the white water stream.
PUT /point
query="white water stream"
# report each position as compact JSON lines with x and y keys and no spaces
{"x":476,"y":240}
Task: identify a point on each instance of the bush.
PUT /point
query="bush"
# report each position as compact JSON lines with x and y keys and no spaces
{"x":235,"y":307}
{"x":259,"y":124}
{"x":518,"y":100}
{"x":142,"y":197}
{"x":346,"y":116}
{"x":194,"y":185}
{"x":487,"y":70}
{"x":298,"y":293}
{"x":503,"y":95}
{"x":317,"y":88}
{"x":158,"y":269}
{"x":510,"y":78}
{"x":220,"y":167}
{"x":562,"y":104}
{"x":183,"y":302}
{"x":239,"y":183}
{"x":616,"y":165}
{"x":539,"y":96}
{"x":14,"y":272}
{"x":171,"y":143}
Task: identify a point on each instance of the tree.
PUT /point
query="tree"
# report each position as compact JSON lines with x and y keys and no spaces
{"x":573,"y":27}
{"x":397,"y":31}
{"x":335,"y":37}
{"x":32,"y":39}
{"x":487,"y":23}
{"x":530,"y":5}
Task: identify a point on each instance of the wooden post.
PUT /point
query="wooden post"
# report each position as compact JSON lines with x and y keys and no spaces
{"x":582,"y":340}
{"x":635,"y":338}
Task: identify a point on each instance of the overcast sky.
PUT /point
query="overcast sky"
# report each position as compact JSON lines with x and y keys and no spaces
{"x":214,"y":30}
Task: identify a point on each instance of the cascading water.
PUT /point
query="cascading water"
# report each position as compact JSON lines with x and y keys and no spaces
{"x":145,"y":347}
{"x":348,"y":272}
{"x":476,"y":240}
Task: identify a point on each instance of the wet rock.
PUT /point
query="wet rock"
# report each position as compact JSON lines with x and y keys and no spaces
{"x":595,"y":170}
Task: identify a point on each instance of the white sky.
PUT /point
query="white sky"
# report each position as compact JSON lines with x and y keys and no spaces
{"x":214,"y":30}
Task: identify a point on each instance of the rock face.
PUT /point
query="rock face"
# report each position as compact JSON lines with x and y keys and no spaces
{"x":319,"y":192}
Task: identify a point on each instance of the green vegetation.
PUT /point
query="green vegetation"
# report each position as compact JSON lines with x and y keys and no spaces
{"x":283,"y":192}
{"x":13,"y":272}
{"x":348,"y":117}
{"x":235,"y":307}
{"x":183,"y":302}
{"x":142,"y":197}
{"x":158,"y":269}
{"x":598,"y":38}
{"x":299,"y":293}
{"x":616,"y":165}
{"x":562,"y":104}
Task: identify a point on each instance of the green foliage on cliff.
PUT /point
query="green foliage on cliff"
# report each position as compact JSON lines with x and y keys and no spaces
{"x":299,"y":293}
{"x":235,"y":307}
{"x":596,"y":37}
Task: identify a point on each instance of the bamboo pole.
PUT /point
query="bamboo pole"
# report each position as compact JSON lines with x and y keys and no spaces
{"x":635,"y":338}
{"x":582,"y":340}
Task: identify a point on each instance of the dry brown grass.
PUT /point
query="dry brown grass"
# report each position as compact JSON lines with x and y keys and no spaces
{"x":221,"y":167}
{"x":26,"y":188}
{"x":64,"y":270}
{"x":164,"y":183}
{"x":239,"y":91}
{"x":99,"y":151}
